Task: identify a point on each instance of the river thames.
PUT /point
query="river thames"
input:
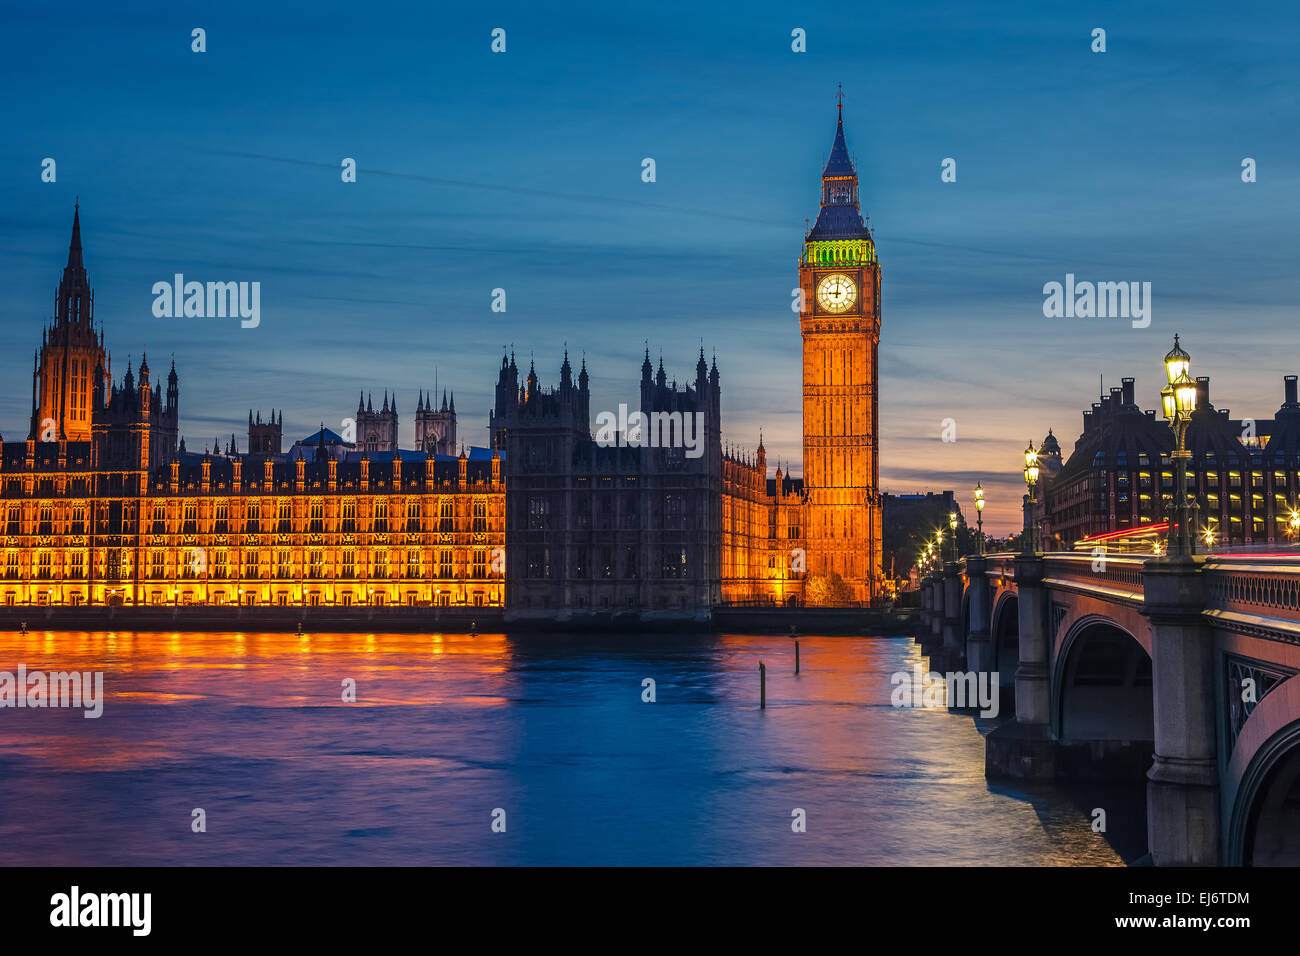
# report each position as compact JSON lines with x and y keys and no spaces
{"x":446,"y":729}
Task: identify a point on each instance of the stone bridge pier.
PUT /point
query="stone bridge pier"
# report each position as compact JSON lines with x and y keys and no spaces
{"x":1183,"y":782}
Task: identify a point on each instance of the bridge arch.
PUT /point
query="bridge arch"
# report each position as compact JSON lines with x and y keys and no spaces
{"x":1262,"y":784}
{"x":1004,"y":645}
{"x":1101,"y":685}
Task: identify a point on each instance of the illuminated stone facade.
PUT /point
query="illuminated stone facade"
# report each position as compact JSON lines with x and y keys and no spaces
{"x":839,"y":282}
{"x":819,"y":540}
{"x":103,"y":504}
{"x":399,"y":529}
{"x":108,"y":508}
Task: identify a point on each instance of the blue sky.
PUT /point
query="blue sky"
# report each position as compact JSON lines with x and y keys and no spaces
{"x":522,"y":170}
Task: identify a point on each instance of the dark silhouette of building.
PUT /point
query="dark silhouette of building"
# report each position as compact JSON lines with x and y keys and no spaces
{"x":601,"y":526}
{"x":265,"y":438}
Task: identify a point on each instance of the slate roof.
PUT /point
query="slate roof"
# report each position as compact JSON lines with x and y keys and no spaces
{"x":839,"y":222}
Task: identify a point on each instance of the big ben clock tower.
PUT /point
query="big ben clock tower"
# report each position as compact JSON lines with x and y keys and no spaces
{"x":839,"y":277}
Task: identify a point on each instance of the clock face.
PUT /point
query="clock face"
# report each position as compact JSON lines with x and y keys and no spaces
{"x":837,"y":293}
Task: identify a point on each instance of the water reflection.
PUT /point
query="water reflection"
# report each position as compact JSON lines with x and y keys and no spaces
{"x":551,"y":728}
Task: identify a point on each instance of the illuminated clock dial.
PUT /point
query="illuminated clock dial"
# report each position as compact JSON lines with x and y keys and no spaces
{"x":837,"y":293}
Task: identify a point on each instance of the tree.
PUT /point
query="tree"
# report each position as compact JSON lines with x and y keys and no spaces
{"x":827,"y":590}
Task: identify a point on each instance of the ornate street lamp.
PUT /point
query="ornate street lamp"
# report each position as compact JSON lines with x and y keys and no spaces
{"x":952,"y":524}
{"x":1178,"y":399}
{"x":1293,"y":525}
{"x":979,"y":516}
{"x":1208,"y":536}
{"x":1030,"y":545}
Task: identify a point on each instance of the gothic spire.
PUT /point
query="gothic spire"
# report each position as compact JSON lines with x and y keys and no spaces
{"x":74,"y":247}
{"x":74,"y":301}
{"x":839,"y":164}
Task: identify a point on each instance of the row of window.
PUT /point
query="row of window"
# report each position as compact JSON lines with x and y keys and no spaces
{"x":281,"y":599}
{"x":672,"y":563}
{"x":252,"y":565}
{"x":256,"y":518}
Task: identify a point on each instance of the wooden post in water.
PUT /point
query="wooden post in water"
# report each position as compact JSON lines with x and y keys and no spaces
{"x":796,"y":657}
{"x":762,"y":686}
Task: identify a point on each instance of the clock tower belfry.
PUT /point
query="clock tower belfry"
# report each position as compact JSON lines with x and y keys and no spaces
{"x":839,"y":278}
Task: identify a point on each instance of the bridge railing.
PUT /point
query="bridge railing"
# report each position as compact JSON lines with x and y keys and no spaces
{"x":1260,"y":592}
{"x":1115,"y":576}
{"x":1001,"y":566}
{"x":1257,"y":585}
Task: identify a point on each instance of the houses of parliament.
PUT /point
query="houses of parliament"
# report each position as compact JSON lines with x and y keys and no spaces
{"x":104,"y":505}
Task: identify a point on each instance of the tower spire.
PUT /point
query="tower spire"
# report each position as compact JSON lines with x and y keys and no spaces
{"x":74,"y":247}
{"x":840,"y":216}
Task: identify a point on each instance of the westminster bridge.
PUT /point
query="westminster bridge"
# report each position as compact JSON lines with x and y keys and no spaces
{"x":1119,"y":666}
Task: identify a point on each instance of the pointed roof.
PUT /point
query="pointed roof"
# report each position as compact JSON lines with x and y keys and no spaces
{"x":323,"y":437}
{"x":73,"y":300}
{"x":839,"y":163}
{"x":840,"y":216}
{"x":74,"y":247}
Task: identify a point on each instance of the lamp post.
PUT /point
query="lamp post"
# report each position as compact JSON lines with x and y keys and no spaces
{"x":979,"y":518}
{"x":952,"y":526}
{"x":1293,"y":525}
{"x":1178,"y":399}
{"x":1030,"y":545}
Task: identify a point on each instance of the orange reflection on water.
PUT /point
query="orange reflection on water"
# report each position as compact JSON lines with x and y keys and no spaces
{"x":207,"y":673}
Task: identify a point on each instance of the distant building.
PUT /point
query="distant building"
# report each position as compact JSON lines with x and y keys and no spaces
{"x":377,"y":430}
{"x":910,"y":521}
{"x":435,"y":429}
{"x":1243,"y":472}
{"x":265,"y":438}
